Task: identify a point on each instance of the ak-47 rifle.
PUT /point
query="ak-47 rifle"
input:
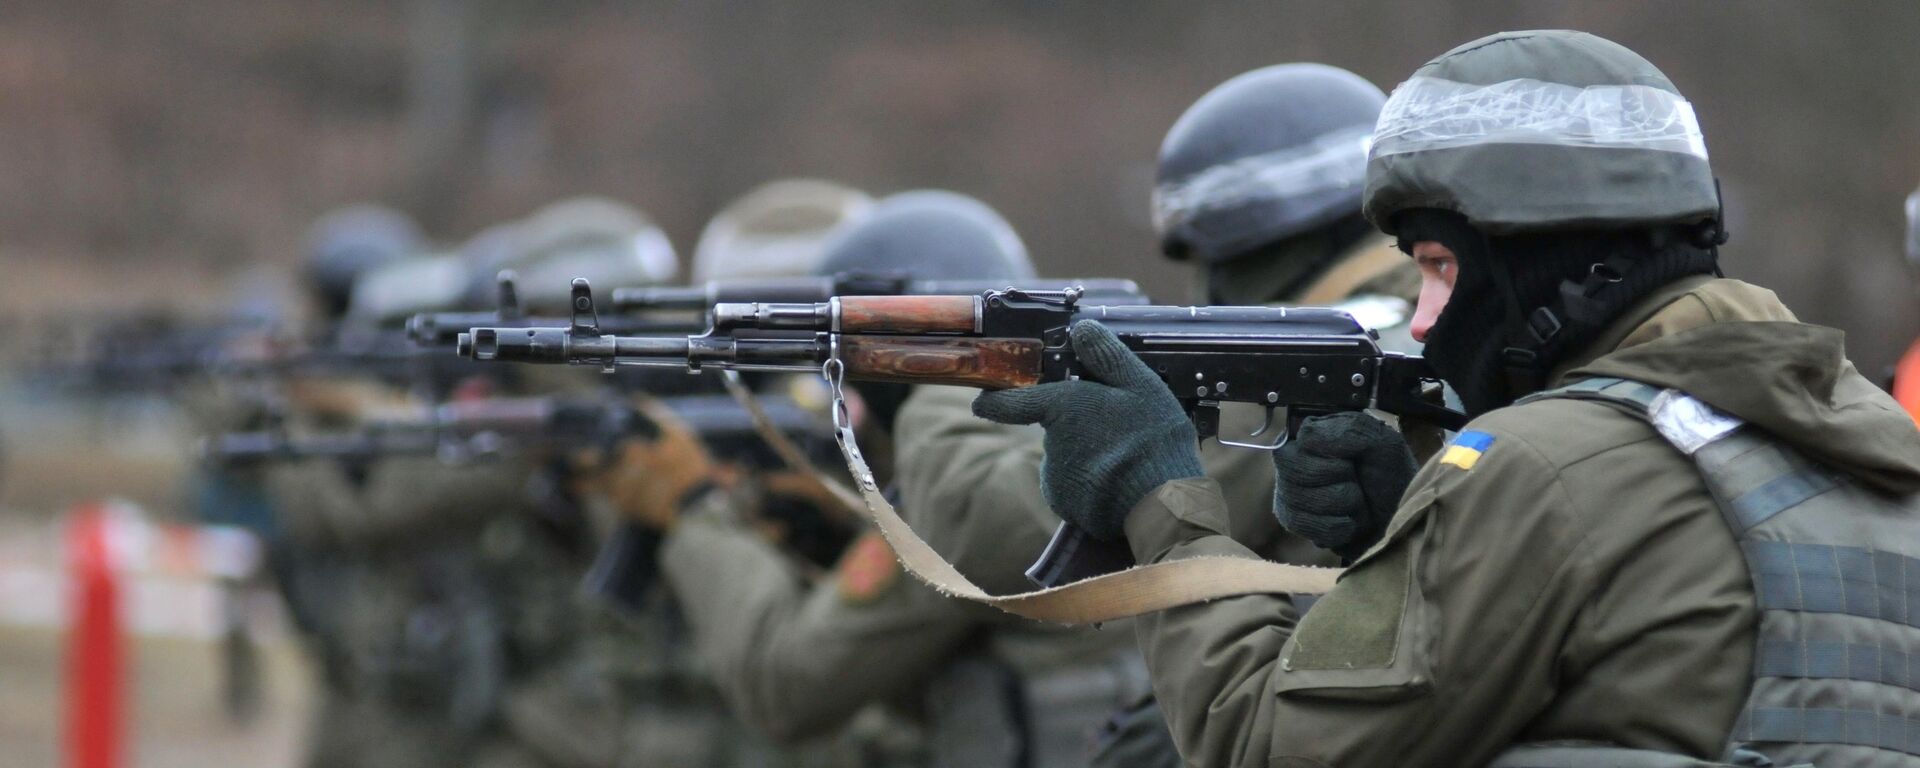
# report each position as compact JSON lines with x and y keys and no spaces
{"x":668,"y":310}
{"x":434,"y":329}
{"x":699,"y":298}
{"x":474,"y":430}
{"x":1307,"y":361}
{"x":477,"y":429}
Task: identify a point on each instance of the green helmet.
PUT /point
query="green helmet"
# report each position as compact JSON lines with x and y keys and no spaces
{"x":930,"y":234}
{"x":780,"y":229}
{"x":608,"y":242}
{"x":392,"y":292}
{"x":1541,"y":131}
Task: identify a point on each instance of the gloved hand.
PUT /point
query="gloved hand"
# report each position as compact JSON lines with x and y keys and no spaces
{"x":650,"y":480}
{"x":1340,"y":480}
{"x":1112,"y":437}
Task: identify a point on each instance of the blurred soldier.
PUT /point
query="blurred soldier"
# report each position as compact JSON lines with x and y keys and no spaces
{"x":1906,"y":375}
{"x":444,"y":598}
{"x":1259,"y":187}
{"x":799,"y":656}
{"x":340,"y":247}
{"x":615,"y":688}
{"x":1669,"y":534}
{"x":385,"y":576}
{"x":775,"y":230}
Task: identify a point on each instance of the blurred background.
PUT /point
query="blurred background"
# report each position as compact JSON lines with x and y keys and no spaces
{"x":164,"y":154}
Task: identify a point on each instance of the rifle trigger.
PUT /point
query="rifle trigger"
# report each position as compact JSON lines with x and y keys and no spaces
{"x":1265,"y":427}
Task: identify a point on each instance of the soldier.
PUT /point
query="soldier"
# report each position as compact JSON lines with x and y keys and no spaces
{"x":1259,"y":189}
{"x":632,"y":691}
{"x":409,"y":637}
{"x":1668,"y":535}
{"x":446,"y":596}
{"x":799,"y":656}
{"x":341,"y":246}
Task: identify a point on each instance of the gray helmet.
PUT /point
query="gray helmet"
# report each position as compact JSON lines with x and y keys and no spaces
{"x":776,"y":230}
{"x":1913,"y":228}
{"x":930,"y":235}
{"x":392,"y":292}
{"x":347,"y":242}
{"x":1541,"y":131}
{"x":608,"y":242}
{"x":1271,"y":154}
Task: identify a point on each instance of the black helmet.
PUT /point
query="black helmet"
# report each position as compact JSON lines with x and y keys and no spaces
{"x":929,"y":235}
{"x":347,"y":243}
{"x":1266,"y":156}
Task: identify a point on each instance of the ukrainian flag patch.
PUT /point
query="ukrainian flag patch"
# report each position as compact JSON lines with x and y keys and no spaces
{"x":1465,"y":450}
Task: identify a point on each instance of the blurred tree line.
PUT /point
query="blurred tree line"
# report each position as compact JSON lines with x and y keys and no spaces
{"x":150,"y":147}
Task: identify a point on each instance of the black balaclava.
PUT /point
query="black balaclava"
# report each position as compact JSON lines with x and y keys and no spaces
{"x":1522,"y":303}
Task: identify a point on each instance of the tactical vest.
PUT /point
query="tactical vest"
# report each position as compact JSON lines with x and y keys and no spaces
{"x":1836,"y":576}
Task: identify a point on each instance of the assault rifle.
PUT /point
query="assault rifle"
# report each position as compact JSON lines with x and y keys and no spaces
{"x":433,"y":329}
{"x":477,"y":429}
{"x":699,"y":298}
{"x":489,"y":428}
{"x":1307,"y":361}
{"x":638,"y":311}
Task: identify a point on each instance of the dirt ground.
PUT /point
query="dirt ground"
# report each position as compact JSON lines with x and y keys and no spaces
{"x":175,"y":716}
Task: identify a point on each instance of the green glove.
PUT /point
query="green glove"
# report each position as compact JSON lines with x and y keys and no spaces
{"x":1113,"y":436}
{"x":1340,"y":480}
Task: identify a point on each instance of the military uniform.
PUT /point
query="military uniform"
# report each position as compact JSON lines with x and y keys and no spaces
{"x":1566,"y":575}
{"x":798,"y":657}
{"x":426,"y":589}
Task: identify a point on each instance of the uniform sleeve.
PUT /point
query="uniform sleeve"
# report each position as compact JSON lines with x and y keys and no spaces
{"x":1419,"y":656}
{"x":794,"y":657}
{"x":971,"y":488}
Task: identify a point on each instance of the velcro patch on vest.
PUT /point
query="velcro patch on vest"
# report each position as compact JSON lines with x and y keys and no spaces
{"x":1466,"y":449}
{"x":1358,"y":625}
{"x":1687,"y":422}
{"x":867,"y":569}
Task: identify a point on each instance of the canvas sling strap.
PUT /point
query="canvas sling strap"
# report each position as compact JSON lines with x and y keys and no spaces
{"x":1131,"y":592}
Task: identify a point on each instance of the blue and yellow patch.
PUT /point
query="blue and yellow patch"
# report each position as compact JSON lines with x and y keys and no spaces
{"x":1465,"y":450}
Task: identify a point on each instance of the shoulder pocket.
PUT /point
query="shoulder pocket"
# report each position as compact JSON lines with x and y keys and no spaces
{"x":1366,"y":639}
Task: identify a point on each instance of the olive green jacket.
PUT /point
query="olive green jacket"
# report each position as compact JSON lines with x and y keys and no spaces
{"x":797,"y":656}
{"x":1571,"y":580}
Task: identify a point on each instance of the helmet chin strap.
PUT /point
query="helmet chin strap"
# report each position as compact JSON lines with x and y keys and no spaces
{"x":1580,"y":308}
{"x":1584,"y":305}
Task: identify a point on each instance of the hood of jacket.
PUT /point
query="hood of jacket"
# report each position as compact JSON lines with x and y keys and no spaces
{"x":1736,"y":347}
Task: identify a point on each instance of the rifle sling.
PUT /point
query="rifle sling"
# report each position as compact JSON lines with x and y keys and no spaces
{"x":1131,"y":592}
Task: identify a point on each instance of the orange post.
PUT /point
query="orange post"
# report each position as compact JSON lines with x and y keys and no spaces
{"x":95,"y":663}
